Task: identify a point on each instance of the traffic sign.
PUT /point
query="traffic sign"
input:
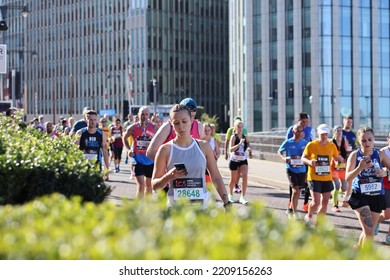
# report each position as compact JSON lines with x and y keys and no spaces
{"x":3,"y":59}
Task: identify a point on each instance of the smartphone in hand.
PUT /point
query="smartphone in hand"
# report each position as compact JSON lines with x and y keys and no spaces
{"x":180,"y":166}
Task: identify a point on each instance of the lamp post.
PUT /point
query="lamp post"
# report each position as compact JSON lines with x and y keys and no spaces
{"x":35,"y":58}
{"x":71,"y":95}
{"x":3,"y":27}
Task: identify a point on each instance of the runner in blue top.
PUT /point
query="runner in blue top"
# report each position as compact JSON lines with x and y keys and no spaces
{"x":349,"y":135}
{"x":365,"y":192}
{"x":308,"y":135}
{"x":291,"y":151}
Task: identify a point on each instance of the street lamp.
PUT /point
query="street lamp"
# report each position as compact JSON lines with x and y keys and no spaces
{"x":24,"y":12}
{"x":22,"y":80}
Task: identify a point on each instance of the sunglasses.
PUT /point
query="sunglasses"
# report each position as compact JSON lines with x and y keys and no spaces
{"x":192,"y":108}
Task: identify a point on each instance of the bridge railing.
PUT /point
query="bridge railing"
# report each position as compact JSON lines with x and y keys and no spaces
{"x":265,"y":145}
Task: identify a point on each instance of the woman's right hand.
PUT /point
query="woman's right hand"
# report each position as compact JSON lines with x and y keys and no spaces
{"x":175,"y":173}
{"x":365,"y":162}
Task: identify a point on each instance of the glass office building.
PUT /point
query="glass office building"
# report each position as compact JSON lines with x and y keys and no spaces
{"x":327,"y":58}
{"x":183,"y":44}
{"x":103,"y":54}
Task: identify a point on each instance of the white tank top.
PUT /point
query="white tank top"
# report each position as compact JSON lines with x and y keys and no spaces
{"x":212,"y":143}
{"x":193,"y":186}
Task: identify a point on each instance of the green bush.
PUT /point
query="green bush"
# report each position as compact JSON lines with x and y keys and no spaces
{"x":54,"y":227}
{"x":32,"y":165}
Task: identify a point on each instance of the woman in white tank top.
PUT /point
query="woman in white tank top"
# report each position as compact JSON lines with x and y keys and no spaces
{"x":196,"y":155}
{"x":213,"y":143}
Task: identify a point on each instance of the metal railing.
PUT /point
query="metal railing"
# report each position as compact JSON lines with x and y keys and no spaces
{"x":265,"y":145}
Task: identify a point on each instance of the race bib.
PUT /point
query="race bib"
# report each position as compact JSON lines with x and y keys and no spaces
{"x":188,"y":188}
{"x":322,"y":166}
{"x":117,"y":135}
{"x":238,"y":156}
{"x":340,"y":166}
{"x":296,"y":161}
{"x":349,"y":148}
{"x":143,"y":143}
{"x":91,"y":156}
{"x":371,"y":188}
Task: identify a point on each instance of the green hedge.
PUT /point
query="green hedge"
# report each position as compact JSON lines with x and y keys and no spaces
{"x":32,"y":165}
{"x":54,"y":227}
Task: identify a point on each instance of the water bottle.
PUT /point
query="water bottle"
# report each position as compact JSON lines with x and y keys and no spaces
{"x":376,"y":165}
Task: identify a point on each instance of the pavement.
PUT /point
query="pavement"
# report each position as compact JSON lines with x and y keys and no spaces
{"x":267,"y":182}
{"x":260,"y":172}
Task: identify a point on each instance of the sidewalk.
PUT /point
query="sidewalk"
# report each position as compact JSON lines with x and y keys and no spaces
{"x":261,"y":172}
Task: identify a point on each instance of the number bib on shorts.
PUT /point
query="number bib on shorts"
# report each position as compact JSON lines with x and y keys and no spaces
{"x":188,"y":188}
{"x":322,"y":167}
{"x":296,"y":161}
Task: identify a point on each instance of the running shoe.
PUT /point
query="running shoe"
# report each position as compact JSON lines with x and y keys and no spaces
{"x":387,"y":240}
{"x":243,"y":200}
{"x":335,"y":208}
{"x":307,"y":219}
{"x":231,"y":199}
{"x":345,"y":204}
{"x":289,"y":212}
{"x":376,"y":229}
{"x":295,"y":216}
{"x":237,"y":189}
{"x":305,"y":207}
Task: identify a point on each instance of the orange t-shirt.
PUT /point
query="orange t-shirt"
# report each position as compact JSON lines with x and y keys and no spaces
{"x":323,"y":154}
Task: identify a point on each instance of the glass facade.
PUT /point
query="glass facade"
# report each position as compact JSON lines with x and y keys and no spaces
{"x":103,"y":54}
{"x":329,"y":59}
{"x":184,"y":45}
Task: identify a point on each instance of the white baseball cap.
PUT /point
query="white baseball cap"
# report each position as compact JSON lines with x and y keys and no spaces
{"x":323,"y":128}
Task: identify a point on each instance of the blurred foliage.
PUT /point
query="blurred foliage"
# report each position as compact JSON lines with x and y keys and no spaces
{"x":205,"y":118}
{"x":54,"y":227}
{"x":32,"y":165}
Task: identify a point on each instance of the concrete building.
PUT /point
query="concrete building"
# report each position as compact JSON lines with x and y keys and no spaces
{"x":327,"y":58}
{"x":103,"y":54}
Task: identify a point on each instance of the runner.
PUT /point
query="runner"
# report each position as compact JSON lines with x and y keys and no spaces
{"x":238,"y":163}
{"x":229,"y":133}
{"x":142,"y":133}
{"x":349,"y":134}
{"x":308,"y":135}
{"x":367,"y":194}
{"x":194,"y":156}
{"x":291,"y":152}
{"x":318,"y":155}
{"x":167,"y":133}
{"x":385,"y":215}
{"x":117,"y":143}
{"x":92,"y":141}
{"x":338,"y":168}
